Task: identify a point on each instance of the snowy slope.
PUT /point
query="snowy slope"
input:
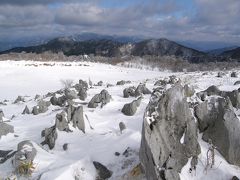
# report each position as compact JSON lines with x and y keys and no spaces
{"x":98,"y":144}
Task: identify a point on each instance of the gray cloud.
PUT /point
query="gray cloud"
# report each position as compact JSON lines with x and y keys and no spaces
{"x":211,"y":20}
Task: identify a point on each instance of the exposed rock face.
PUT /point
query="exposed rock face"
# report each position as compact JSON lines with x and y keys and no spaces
{"x":5,"y":129}
{"x":78,"y":119}
{"x":19,"y":99}
{"x":82,"y":93}
{"x":130,"y":91}
{"x":122,"y":82}
{"x":102,"y":171}
{"x":131,"y":108}
{"x":61,"y":122}
{"x":189,"y":91}
{"x":81,"y":84}
{"x":219,"y":123}
{"x":103,"y":98}
{"x":50,"y":135}
{"x":75,"y":115}
{"x":100,"y":83}
{"x":60,"y":101}
{"x":213,"y":90}
{"x":161,"y":82}
{"x":70,"y":94}
{"x":167,"y":120}
{"x":1,"y":115}
{"x":42,"y":107}
{"x":26,"y":110}
{"x":234,"y":74}
{"x":26,"y":153}
{"x":142,"y":89}
{"x":220,"y":74}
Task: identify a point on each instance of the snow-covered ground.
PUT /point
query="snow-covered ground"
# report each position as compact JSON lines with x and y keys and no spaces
{"x":98,"y":144}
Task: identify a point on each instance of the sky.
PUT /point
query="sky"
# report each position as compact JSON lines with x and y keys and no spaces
{"x":181,"y":20}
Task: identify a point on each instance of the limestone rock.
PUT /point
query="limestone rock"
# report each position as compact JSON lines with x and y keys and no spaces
{"x":103,"y":98}
{"x":50,"y":135}
{"x":131,"y":108}
{"x":219,"y":123}
{"x":19,"y":99}
{"x":130,"y":91}
{"x":41,"y":107}
{"x":5,"y":129}
{"x":61,"y":122}
{"x":26,"y":153}
{"x":26,"y":110}
{"x":167,"y":120}
{"x":142,"y":89}
{"x":60,"y":101}
{"x":102,"y":171}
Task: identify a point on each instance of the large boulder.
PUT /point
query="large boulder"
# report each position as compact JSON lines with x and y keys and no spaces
{"x":62,"y":122}
{"x":75,"y":115}
{"x":82,"y":93}
{"x":5,"y":129}
{"x":26,"y":110}
{"x":102,"y":171}
{"x":130,"y":91}
{"x":218,"y":123}
{"x":142,"y":89}
{"x":78,"y":119}
{"x":26,"y":153}
{"x":81,"y":84}
{"x":60,"y":101}
{"x":213,"y":90}
{"x":50,"y":135}
{"x":41,"y":107}
{"x":19,"y":99}
{"x":122,"y":82}
{"x":131,"y":108}
{"x":70,"y":94}
{"x":169,"y":135}
{"x":103,"y":98}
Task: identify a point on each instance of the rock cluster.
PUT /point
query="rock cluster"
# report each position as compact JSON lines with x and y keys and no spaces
{"x":41,"y":107}
{"x":102,"y":98}
{"x":135,"y":92}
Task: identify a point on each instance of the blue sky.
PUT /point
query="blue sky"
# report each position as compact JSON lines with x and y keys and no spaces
{"x":180,"y":20}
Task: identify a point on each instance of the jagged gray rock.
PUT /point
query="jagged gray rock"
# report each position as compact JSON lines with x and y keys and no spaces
{"x":26,"y":110}
{"x":234,"y":74}
{"x":142,"y":89}
{"x":78,"y":119}
{"x":122,"y":126}
{"x":82,"y":84}
{"x":65,"y":147}
{"x":82,"y":93}
{"x":102,"y":171}
{"x":100,"y":83}
{"x":189,"y":91}
{"x":61,"y":122}
{"x":220,"y":74}
{"x":70,"y":94}
{"x":219,"y":123}
{"x":1,"y":115}
{"x":50,"y":135}
{"x":130,"y":91}
{"x":103,"y":98}
{"x":122,"y":82}
{"x":131,"y":108}
{"x":60,"y":101}
{"x":26,"y":153}
{"x":167,"y":120}
{"x":161,"y":82}
{"x":5,"y":155}
{"x":5,"y":129}
{"x":213,"y":90}
{"x":41,"y":107}
{"x":19,"y":99}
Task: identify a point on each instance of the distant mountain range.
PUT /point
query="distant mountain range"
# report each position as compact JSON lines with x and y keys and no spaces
{"x":118,"y":46}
